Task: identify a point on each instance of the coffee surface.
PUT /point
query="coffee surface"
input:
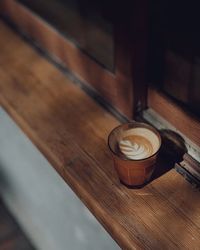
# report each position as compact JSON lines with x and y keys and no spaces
{"x":136,"y":147}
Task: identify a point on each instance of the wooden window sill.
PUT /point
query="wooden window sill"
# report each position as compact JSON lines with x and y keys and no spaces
{"x":71,"y":130}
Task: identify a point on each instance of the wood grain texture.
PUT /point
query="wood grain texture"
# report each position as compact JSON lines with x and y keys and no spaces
{"x":116,"y":88}
{"x":178,"y":117}
{"x":71,"y":130}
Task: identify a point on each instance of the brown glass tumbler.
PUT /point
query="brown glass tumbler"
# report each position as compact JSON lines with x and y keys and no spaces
{"x":134,"y":147}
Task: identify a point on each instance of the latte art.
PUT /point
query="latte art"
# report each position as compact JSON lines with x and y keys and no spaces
{"x":136,"y":147}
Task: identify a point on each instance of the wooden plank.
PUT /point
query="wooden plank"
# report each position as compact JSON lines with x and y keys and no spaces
{"x":178,"y":117}
{"x":189,"y":151}
{"x":71,"y":130}
{"x":116,"y":87}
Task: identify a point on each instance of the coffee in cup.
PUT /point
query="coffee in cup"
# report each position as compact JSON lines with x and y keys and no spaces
{"x":134,"y":147}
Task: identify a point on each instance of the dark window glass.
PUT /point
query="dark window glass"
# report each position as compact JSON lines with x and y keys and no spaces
{"x":174,"y":60}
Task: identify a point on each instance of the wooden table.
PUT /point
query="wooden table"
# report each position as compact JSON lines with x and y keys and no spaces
{"x":71,"y":130}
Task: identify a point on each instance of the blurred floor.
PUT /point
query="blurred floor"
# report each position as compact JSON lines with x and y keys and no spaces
{"x":11,"y":236}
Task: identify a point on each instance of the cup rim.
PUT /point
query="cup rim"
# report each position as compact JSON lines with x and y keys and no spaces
{"x":137,"y":123}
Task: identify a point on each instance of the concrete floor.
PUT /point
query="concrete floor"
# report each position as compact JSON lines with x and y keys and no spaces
{"x":44,"y":205}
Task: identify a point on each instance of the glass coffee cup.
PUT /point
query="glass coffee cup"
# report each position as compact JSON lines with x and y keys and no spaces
{"x":134,"y":147}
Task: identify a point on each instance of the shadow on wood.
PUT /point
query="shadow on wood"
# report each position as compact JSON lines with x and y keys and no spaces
{"x":172,"y":150}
